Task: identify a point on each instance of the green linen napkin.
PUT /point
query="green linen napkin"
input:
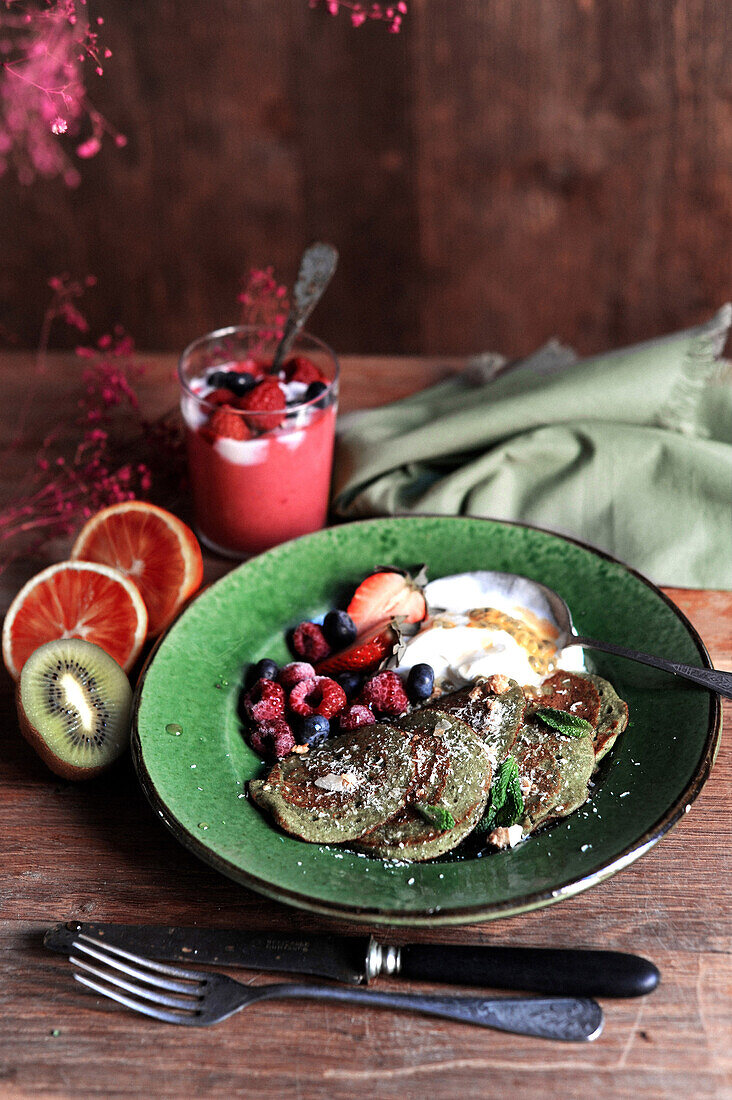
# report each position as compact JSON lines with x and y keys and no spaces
{"x":629,"y":451}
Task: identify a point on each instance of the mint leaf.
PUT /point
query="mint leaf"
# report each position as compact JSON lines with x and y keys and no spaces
{"x":507,"y":772}
{"x":436,"y":815}
{"x":564,"y":722}
{"x":506,"y":804}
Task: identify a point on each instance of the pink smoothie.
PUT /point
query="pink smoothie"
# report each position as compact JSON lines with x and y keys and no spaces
{"x":251,"y":494}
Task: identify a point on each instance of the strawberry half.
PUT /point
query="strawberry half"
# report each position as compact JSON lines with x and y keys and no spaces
{"x":386,"y":594}
{"x":366,"y":653}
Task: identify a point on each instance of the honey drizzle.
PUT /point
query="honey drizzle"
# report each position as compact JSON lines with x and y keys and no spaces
{"x":541,"y":651}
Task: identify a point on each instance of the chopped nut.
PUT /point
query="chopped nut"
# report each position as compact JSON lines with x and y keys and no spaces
{"x":506,"y":837}
{"x":346,"y":782}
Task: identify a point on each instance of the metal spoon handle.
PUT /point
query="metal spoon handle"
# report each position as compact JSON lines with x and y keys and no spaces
{"x":711,"y":678}
{"x":316,"y":270}
{"x":573,"y":1019}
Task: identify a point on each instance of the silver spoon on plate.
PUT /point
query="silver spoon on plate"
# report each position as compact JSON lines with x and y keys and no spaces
{"x":546,"y":603}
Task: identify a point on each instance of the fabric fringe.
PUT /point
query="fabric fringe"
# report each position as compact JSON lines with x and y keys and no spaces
{"x":680,"y":411}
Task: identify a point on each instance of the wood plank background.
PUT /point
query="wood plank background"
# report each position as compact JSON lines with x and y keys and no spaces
{"x":500,"y":172}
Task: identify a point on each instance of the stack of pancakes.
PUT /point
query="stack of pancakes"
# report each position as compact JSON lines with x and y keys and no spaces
{"x":375,"y":789}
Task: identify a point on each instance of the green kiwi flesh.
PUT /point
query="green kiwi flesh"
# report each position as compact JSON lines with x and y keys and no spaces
{"x":74,"y":707}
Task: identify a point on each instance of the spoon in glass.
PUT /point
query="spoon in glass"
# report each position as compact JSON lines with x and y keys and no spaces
{"x":546,"y":603}
{"x":317,"y":266}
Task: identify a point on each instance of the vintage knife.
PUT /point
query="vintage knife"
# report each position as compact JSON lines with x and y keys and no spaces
{"x":359,"y":959}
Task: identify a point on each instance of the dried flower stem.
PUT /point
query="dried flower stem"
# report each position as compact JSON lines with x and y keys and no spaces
{"x":391,"y":14}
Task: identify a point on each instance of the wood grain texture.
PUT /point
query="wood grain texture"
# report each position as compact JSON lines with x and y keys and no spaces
{"x":96,"y":851}
{"x":500,"y":172}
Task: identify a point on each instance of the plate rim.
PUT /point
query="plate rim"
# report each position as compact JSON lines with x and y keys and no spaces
{"x":468,"y":914}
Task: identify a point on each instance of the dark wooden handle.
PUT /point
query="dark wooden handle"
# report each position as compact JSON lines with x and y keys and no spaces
{"x":541,"y":970}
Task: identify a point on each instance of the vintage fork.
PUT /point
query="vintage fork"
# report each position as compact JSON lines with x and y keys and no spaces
{"x":196,"y":998}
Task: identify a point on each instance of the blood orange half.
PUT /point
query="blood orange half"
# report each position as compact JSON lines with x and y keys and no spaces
{"x":152,"y":547}
{"x":75,"y":599}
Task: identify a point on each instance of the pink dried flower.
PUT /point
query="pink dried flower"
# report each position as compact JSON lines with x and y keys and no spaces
{"x":67,"y":488}
{"x":264,"y":303}
{"x":42,"y":93}
{"x":360,"y":13}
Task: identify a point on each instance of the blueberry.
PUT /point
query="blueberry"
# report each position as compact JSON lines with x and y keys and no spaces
{"x":262,"y":670}
{"x":339,"y":629}
{"x":266,"y":669}
{"x":420,"y":682}
{"x":349,"y":681}
{"x":314,"y":390}
{"x":313,"y":730}
{"x":240,"y":382}
{"x":219,"y":379}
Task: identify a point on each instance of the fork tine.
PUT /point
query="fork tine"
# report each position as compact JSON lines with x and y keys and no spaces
{"x":151,"y":973}
{"x":137,"y":1006}
{"x":189,"y":1003}
{"x":141,"y":960}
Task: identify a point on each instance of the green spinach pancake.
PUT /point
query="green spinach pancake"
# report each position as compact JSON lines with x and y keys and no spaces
{"x":457,"y":785}
{"x":414,"y":788}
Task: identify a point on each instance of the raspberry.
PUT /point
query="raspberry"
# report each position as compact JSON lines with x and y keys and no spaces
{"x":228,"y":424}
{"x":292,"y":674}
{"x":273,"y":738}
{"x":321,"y":695}
{"x":267,"y":401}
{"x":354,"y":716}
{"x":301,"y":369}
{"x":309,"y":642}
{"x":385,"y":693}
{"x":264,"y":701}
{"x":220,"y":397}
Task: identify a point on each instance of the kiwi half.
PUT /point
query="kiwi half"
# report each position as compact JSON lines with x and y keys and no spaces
{"x":74,"y":707}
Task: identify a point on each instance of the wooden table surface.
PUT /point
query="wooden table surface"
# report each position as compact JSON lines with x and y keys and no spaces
{"x":96,"y":851}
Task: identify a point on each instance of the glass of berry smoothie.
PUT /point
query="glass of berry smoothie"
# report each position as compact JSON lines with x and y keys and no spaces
{"x":260,"y":444}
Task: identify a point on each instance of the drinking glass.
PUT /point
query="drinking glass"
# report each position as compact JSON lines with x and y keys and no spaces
{"x":258,"y":477}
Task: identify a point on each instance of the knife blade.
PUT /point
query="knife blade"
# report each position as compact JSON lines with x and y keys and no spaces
{"x":354,"y":959}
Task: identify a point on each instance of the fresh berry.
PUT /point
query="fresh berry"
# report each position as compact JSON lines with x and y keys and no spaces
{"x":220,"y":397}
{"x":420,"y":682}
{"x":291,"y":674}
{"x":313,"y":729}
{"x":240,"y":382}
{"x":356,"y":715}
{"x":364,"y":654}
{"x":225,"y":423}
{"x":315,"y":389}
{"x":266,"y":403}
{"x":385,"y":693}
{"x":339,"y":629}
{"x":272,"y":738}
{"x":301,"y":369}
{"x":218,"y":378}
{"x":240,"y":379}
{"x":320,"y":695}
{"x":350,"y":682}
{"x":309,"y":642}
{"x":386,"y":595}
{"x":266,"y":669}
{"x":264,"y":701}
{"x":253,"y":365}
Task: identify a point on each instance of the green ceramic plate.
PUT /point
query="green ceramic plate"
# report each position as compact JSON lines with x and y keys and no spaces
{"x":196,"y":778}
